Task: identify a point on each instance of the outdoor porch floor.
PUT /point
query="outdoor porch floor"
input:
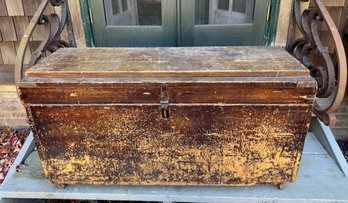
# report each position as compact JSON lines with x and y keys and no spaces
{"x":319,"y":179}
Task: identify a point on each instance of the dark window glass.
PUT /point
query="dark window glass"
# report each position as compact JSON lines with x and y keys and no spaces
{"x":223,"y":4}
{"x":124,"y":5}
{"x":219,"y":12}
{"x":239,"y":6}
{"x":133,"y":12}
{"x":115,"y":7}
{"x":149,"y":12}
{"x":202,"y":12}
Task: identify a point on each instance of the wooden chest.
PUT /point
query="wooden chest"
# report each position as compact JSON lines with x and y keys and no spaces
{"x":231,"y":116}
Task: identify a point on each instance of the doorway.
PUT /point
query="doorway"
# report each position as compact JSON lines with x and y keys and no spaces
{"x":152,"y":23}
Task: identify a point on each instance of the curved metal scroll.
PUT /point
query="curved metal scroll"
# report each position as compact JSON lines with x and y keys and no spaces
{"x":54,"y":26}
{"x":330,"y":74}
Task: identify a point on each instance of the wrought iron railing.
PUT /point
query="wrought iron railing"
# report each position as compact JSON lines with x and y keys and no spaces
{"x":54,"y":25}
{"x":329,"y":69}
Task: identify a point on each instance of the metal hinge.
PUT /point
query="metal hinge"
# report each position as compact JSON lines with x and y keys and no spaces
{"x":91,"y":16}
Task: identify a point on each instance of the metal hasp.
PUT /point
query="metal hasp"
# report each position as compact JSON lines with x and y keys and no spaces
{"x":164,"y":102}
{"x":329,"y":69}
{"x":54,"y":26}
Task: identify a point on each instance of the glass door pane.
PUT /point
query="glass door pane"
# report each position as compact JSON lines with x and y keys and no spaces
{"x":223,"y":22}
{"x":129,"y":23}
{"x":133,"y":12}
{"x":224,"y":11}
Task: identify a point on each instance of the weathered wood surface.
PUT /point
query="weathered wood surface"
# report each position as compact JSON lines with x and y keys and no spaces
{"x":198,"y":145}
{"x":179,"y":92}
{"x":181,"y":61}
{"x":235,"y":115}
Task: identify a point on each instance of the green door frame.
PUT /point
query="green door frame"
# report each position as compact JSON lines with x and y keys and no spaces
{"x":86,"y":21}
{"x":271,"y":26}
{"x":269,"y":36}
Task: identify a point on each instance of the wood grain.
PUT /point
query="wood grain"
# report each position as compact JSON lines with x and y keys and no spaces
{"x":344,"y":19}
{"x":49,"y":10}
{"x":166,"y":62}
{"x":64,"y":34}
{"x":331,"y":3}
{"x":3,"y":8}
{"x":335,"y":13}
{"x":148,"y":93}
{"x":7,"y":29}
{"x":1,"y":60}
{"x":198,"y":145}
{"x":169,"y":116}
{"x":39,"y":32}
{"x":15,"y":7}
{"x":6,"y":75}
{"x":283,"y":22}
{"x":21,"y":23}
{"x":78,"y":26}
{"x":30,"y":7}
{"x":8,"y":52}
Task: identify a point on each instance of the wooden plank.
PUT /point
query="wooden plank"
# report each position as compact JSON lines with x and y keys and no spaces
{"x":7,"y":29}
{"x":330,"y":3}
{"x":7,"y":74}
{"x":30,"y":7}
{"x":39,"y":32}
{"x":15,"y":7}
{"x":283,"y":22}
{"x":49,"y":10}
{"x":198,"y":145}
{"x":162,"y":62}
{"x":281,"y":92}
{"x":344,"y":20}
{"x":336,"y":14}
{"x":21,"y":23}
{"x":326,"y":39}
{"x":64,"y":34}
{"x":1,"y":60}
{"x":78,"y":26}
{"x":8,"y":52}
{"x":3,"y":8}
{"x":294,"y":32}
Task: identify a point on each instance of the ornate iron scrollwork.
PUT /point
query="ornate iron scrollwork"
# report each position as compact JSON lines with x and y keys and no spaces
{"x":54,"y":26}
{"x":329,"y":70}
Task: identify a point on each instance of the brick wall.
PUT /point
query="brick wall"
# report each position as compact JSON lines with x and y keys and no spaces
{"x":12,"y":112}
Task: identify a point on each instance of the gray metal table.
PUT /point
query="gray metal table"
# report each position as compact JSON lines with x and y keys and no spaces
{"x":320,"y":179}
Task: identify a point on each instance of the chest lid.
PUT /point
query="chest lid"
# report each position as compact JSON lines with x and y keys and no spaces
{"x":168,"y":62}
{"x":209,"y":75}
